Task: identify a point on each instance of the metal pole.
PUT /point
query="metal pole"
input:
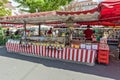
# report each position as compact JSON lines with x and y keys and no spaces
{"x":25,"y":30}
{"x":39,"y":31}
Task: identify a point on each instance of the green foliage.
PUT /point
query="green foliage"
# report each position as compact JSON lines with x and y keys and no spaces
{"x":41,"y":5}
{"x":2,"y":37}
{"x":3,"y":10}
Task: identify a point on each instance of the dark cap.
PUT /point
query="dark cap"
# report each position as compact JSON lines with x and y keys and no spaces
{"x":88,"y":26}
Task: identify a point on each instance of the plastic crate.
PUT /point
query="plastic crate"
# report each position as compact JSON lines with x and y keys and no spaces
{"x":103,"y":56}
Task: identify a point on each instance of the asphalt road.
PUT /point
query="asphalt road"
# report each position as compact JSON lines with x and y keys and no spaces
{"x":19,"y":67}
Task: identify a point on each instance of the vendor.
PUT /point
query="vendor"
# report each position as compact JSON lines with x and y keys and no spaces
{"x":88,"y":33}
{"x":49,"y":32}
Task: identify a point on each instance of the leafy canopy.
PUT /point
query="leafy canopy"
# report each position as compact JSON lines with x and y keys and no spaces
{"x":41,"y":5}
{"x":3,"y":10}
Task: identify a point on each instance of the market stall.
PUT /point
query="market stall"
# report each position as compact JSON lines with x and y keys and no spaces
{"x":54,"y":47}
{"x":68,"y":46}
{"x":86,"y":56}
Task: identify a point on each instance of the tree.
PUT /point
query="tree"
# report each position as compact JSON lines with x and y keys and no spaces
{"x":3,"y":10}
{"x":41,"y":5}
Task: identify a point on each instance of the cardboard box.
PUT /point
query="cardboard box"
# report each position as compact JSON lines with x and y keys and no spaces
{"x":77,"y":46}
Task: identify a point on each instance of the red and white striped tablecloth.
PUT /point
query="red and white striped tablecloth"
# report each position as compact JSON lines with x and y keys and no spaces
{"x":69,"y":54}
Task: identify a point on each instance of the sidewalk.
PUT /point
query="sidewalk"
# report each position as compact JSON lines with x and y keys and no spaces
{"x":19,"y":67}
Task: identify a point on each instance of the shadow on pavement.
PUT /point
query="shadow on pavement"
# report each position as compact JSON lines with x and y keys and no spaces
{"x":110,"y":71}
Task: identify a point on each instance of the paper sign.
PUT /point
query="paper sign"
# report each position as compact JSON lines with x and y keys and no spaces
{"x":88,"y":46}
{"x":83,"y":46}
{"x":95,"y":46}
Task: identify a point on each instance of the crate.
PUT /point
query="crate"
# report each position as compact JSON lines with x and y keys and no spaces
{"x":103,"y":56}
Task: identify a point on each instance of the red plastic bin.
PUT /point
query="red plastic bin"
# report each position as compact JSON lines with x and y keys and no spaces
{"x":103,"y":56}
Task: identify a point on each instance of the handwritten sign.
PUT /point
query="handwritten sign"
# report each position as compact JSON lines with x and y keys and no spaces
{"x":82,"y":46}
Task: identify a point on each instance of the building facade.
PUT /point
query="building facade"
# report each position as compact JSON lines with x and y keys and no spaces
{"x":76,"y":5}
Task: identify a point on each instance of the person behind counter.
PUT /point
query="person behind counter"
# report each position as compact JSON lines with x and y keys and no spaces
{"x":49,"y":32}
{"x":88,"y":33}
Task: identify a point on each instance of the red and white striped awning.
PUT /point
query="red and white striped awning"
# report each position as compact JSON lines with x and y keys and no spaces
{"x":107,"y":13}
{"x":53,"y":17}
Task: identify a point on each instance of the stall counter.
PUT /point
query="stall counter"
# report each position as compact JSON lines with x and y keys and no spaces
{"x":85,"y":56}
